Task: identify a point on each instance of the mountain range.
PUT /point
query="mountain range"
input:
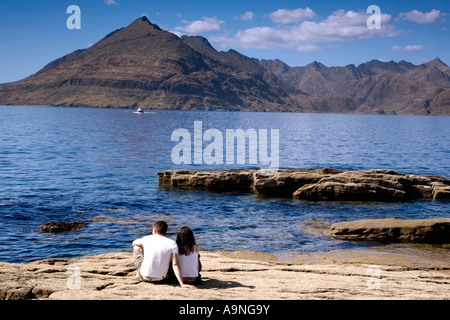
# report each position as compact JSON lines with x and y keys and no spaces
{"x":144,"y":66}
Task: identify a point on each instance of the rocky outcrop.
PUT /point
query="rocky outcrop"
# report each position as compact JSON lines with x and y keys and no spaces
{"x":373,"y":185}
{"x":440,"y":191}
{"x":228,"y":276}
{"x":60,"y":226}
{"x":394,"y":230}
{"x":315,"y":185}
{"x":233,"y":180}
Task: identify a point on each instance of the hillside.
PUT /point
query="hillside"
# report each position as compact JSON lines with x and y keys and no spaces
{"x":144,"y":66}
{"x":372,"y":87}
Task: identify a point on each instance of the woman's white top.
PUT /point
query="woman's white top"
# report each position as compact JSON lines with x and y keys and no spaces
{"x":189,"y":265}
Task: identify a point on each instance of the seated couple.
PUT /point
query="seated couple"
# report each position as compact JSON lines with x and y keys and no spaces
{"x":161,"y":260}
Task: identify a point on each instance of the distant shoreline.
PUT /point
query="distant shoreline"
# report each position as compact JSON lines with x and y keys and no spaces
{"x":220,"y":110}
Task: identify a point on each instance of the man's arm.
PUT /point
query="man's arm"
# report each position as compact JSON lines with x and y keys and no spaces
{"x":137,"y":243}
{"x":177,"y":271}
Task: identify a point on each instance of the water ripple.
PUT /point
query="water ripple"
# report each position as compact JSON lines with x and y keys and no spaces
{"x":100,"y":165}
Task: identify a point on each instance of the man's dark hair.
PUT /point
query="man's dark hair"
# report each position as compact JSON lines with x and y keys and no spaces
{"x":160,"y":227}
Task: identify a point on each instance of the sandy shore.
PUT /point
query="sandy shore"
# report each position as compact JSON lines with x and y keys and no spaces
{"x":343,"y":274}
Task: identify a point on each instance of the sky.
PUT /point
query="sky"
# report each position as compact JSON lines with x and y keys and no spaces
{"x":335,"y":33}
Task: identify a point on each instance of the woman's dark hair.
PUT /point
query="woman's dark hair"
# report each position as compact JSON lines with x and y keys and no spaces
{"x":185,"y":241}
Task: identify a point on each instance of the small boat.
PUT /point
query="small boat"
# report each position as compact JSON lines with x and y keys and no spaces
{"x":140,"y":110}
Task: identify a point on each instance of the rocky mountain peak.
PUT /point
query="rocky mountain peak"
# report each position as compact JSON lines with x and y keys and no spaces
{"x":142,"y":65}
{"x":437,"y":62}
{"x":317,"y":65}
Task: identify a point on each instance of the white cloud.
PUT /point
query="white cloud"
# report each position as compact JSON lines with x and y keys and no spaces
{"x":434,"y":16}
{"x":177,"y":33}
{"x":283,"y":16}
{"x":206,"y":24}
{"x":340,"y":26}
{"x":414,"y":47}
{"x":308,"y":48}
{"x":246,"y":16}
{"x":111,"y":2}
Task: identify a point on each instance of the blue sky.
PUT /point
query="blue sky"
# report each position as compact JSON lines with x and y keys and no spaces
{"x":33,"y":33}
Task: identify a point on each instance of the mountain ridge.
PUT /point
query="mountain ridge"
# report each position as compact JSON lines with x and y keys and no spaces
{"x":145,"y":66}
{"x":375,"y":86}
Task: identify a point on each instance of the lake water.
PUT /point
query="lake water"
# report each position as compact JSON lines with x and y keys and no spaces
{"x":100,"y":165}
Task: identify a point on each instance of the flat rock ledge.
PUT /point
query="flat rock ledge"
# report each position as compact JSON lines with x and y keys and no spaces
{"x":61,"y":226}
{"x":235,"y":275}
{"x":315,"y":185}
{"x":433,"y":231}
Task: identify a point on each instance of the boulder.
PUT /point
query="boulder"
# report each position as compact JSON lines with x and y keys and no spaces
{"x":371,"y":185}
{"x":283,"y":183}
{"x":338,"y":191}
{"x":62,"y":226}
{"x":228,"y":180}
{"x":440,"y":191}
{"x":394,"y":230}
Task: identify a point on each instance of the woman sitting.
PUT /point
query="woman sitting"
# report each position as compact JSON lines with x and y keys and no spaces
{"x":189,"y":256}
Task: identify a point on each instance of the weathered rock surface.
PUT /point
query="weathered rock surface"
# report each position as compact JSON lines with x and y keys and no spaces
{"x":394,"y":230}
{"x":315,"y":185}
{"x":239,"y":180}
{"x":61,"y":226}
{"x":233,"y":275}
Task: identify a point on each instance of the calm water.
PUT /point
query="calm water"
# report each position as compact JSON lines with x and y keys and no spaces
{"x":100,"y":165}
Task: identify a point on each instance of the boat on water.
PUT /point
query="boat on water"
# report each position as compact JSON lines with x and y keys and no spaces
{"x":141,"y":111}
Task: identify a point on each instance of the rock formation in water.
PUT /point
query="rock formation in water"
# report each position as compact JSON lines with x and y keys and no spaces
{"x":61,"y":226}
{"x":394,"y":230}
{"x":315,"y":185}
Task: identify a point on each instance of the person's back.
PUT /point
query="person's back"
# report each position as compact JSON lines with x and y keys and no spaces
{"x":189,"y":256}
{"x":189,"y":265}
{"x":157,"y":256}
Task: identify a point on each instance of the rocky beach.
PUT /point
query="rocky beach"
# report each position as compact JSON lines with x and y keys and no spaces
{"x":338,"y":275}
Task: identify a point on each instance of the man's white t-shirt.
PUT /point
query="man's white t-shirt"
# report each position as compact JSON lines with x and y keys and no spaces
{"x":157,"y":254}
